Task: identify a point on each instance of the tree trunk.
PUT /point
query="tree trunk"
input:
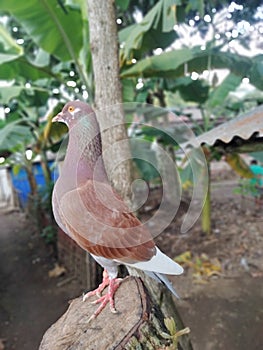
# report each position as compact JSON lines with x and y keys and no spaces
{"x":31,"y":179}
{"x":206,"y":212}
{"x":110,"y":114}
{"x":33,"y":207}
{"x":45,"y":167}
{"x":108,"y":92}
{"x":143,"y":327}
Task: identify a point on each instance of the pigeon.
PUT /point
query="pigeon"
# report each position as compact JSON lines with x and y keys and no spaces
{"x":95,"y":216}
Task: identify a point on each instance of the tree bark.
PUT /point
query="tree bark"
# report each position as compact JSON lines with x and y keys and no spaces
{"x":143,"y":327}
{"x":31,"y":179}
{"x":163,"y":298}
{"x":108,"y":92}
{"x":206,"y":212}
{"x":110,"y":114}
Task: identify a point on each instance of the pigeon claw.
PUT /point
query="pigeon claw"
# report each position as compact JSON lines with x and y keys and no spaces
{"x":105,"y":282}
{"x":106,"y":298}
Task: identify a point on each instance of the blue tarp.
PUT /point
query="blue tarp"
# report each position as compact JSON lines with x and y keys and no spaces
{"x":21,"y":184}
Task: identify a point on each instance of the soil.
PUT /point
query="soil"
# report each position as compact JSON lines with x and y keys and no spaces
{"x":30,"y":301}
{"x":221,"y":289}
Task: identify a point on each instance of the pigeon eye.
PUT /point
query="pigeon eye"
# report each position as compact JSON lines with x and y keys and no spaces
{"x":71,"y":109}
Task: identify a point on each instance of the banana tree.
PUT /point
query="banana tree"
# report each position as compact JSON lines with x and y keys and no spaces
{"x":57,"y":56}
{"x":24,"y":140}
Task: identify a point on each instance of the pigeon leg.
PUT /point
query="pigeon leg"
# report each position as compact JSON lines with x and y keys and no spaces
{"x":114,"y":284}
{"x":105,"y":282}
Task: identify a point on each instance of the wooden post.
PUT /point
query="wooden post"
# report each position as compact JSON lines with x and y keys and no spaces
{"x":139,"y":324}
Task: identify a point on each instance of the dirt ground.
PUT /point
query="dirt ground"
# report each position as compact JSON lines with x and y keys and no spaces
{"x":30,"y":301}
{"x":221,"y":290}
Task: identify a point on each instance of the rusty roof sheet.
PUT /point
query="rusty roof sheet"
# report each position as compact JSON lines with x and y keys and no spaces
{"x":243,"y":126}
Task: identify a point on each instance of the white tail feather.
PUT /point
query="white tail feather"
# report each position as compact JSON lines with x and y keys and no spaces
{"x":162,"y":278}
{"x":159,"y":263}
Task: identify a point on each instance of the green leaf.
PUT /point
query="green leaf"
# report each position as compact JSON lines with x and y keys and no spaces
{"x":9,"y":50}
{"x":170,"y":325}
{"x":186,"y":176}
{"x":16,"y":168}
{"x":169,"y":15}
{"x":164,"y":64}
{"x":256,"y":72}
{"x":151,"y":40}
{"x":172,"y":64}
{"x":41,"y":59}
{"x":165,"y":136}
{"x":56,"y":133}
{"x":146,"y":163}
{"x":123,"y":4}
{"x":128,"y":90}
{"x":38,"y":93}
{"x":13,"y":135}
{"x":9,"y":92}
{"x":196,"y":5}
{"x":23,"y":69}
{"x":55,"y":31}
{"x":218,"y":96}
{"x":192,"y":90}
{"x":155,"y":30}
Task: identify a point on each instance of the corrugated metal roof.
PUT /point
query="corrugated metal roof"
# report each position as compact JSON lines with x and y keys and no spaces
{"x":243,"y":126}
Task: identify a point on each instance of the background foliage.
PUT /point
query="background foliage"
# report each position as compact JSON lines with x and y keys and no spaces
{"x":172,"y":53}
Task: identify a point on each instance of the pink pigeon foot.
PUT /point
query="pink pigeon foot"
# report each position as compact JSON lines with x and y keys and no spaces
{"x":105,"y":282}
{"x":113,"y":284}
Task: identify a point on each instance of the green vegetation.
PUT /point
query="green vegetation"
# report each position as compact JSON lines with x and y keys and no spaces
{"x":170,"y":58}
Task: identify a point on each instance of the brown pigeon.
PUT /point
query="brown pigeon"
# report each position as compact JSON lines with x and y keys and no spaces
{"x":88,"y":209}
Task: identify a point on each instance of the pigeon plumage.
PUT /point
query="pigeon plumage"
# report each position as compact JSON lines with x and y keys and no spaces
{"x":90,"y":211}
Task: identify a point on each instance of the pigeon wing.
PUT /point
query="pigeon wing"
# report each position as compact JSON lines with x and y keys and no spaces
{"x":98,"y":219}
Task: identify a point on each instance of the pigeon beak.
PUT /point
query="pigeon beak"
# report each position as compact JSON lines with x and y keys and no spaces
{"x":58,"y":118}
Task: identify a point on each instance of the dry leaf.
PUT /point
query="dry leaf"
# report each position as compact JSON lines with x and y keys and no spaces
{"x":57,"y":271}
{"x":203,"y":267}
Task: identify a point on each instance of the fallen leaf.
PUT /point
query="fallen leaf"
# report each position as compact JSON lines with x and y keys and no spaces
{"x":57,"y":271}
{"x":184,"y":257}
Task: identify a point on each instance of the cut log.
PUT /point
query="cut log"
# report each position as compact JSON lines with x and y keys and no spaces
{"x":139,"y":324}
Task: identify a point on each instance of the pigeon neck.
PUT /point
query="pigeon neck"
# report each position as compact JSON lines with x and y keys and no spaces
{"x":84,"y":154}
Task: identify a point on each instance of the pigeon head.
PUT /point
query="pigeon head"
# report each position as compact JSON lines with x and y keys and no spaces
{"x":73,"y":111}
{"x":84,"y":143}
